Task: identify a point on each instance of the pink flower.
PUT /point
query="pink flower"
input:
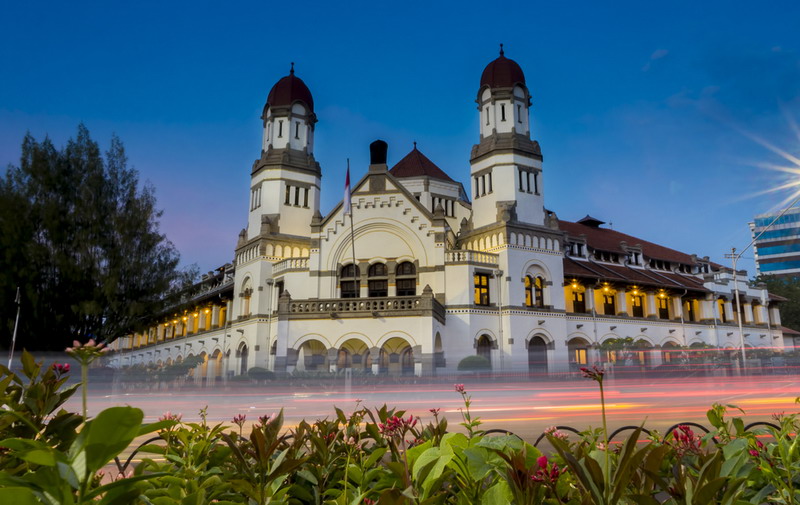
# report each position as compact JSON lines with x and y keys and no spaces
{"x":61,"y":368}
{"x":460,"y":388}
{"x":600,"y":446}
{"x":435,"y":412}
{"x":542,"y":461}
{"x":595,"y":373}
{"x":239,"y":419}
{"x":169,"y":416}
{"x":397,"y":426}
{"x":753,"y":453}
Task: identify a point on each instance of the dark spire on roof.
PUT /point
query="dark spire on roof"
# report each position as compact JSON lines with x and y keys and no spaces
{"x":501,"y":50}
{"x":291,"y":70}
{"x":591,"y":221}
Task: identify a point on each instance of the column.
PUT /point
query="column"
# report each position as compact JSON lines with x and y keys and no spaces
{"x":375,"y":354}
{"x":748,"y":312}
{"x":650,"y":304}
{"x":201,"y":323}
{"x":706,"y":310}
{"x":677,"y":307}
{"x":622,"y":303}
{"x":589,"y":299}
{"x":333,"y":357}
{"x":215,"y":316}
{"x":191,"y":324}
{"x":728,"y":307}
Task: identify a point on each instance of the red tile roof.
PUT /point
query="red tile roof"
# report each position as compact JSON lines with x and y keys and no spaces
{"x":789,"y":331}
{"x":630,"y":275}
{"x":606,"y":239}
{"x":416,"y":164}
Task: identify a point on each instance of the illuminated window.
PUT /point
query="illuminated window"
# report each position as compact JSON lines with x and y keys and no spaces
{"x":637,"y":309}
{"x":578,"y":302}
{"x":534,"y":291}
{"x":608,"y":305}
{"x":662,"y":304}
{"x":689,"y":310}
{"x":580,"y":356}
{"x":481,"y":289}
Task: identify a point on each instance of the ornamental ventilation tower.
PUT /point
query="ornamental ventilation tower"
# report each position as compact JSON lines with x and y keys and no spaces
{"x":285,"y":179}
{"x":506,"y":166}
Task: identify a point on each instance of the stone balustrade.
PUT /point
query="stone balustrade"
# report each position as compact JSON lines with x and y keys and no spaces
{"x":474,"y":257}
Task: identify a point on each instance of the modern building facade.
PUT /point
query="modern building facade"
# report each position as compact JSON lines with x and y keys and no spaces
{"x":777,"y":243}
{"x":429,"y":272}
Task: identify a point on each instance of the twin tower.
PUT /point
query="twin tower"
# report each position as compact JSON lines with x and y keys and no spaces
{"x":505,"y":165}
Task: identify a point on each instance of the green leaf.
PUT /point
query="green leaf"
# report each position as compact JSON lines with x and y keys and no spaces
{"x":733,"y":447}
{"x":18,"y":496}
{"x":498,"y":494}
{"x":110,"y":433}
{"x":29,"y":367}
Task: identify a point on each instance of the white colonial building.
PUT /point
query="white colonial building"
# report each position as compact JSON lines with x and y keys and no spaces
{"x":429,"y":273}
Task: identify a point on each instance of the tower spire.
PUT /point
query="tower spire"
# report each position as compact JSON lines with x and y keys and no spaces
{"x":291,"y":70}
{"x":502,"y":53}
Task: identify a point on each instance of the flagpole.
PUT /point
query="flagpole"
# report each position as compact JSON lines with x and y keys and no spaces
{"x":16,"y":324}
{"x":353,"y":238}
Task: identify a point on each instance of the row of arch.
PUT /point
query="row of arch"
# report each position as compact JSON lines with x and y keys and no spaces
{"x":280,"y":251}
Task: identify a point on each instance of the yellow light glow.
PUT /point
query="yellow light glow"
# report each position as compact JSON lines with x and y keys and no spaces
{"x":196,"y":314}
{"x":208,"y":310}
{"x":635,"y":291}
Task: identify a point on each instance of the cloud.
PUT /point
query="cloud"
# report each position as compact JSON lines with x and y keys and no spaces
{"x":657,"y":55}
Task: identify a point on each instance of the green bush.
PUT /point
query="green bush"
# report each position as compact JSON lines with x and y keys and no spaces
{"x":474,"y":363}
{"x":259,"y":374}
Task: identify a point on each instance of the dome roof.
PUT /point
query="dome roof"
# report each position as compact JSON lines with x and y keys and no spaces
{"x":288,"y":90}
{"x":502,"y":73}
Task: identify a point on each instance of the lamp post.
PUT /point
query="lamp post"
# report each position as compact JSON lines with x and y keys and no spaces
{"x":734,"y":257}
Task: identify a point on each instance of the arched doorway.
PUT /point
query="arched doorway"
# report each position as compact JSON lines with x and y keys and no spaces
{"x":397,"y":357}
{"x":578,"y":349}
{"x":484,"y":347}
{"x":312,"y":356}
{"x":354,"y":353}
{"x":537,"y":356}
{"x":438,"y":352}
{"x":243,"y":353}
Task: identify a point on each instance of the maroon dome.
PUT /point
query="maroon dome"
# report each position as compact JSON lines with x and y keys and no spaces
{"x":502,"y":73}
{"x":288,"y":90}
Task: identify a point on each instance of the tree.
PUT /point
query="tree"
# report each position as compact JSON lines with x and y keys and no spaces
{"x":80,"y":237}
{"x":787,"y":287}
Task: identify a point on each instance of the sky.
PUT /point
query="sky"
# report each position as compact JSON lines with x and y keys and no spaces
{"x":670,"y":121}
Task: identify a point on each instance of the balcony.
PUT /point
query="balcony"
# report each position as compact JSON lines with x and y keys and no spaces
{"x":471,"y":257}
{"x":290,"y":265}
{"x":345,"y":308}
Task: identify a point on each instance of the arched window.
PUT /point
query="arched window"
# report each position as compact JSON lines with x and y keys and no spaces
{"x":247,"y":292}
{"x":406,"y":279}
{"x":348,"y":281}
{"x":534,"y":291}
{"x":538,"y":292}
{"x":378,"y":282}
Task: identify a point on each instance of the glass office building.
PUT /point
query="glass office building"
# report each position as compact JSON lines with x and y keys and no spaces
{"x":777,"y":250}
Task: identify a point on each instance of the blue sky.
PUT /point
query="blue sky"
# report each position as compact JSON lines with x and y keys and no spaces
{"x":649,"y":116}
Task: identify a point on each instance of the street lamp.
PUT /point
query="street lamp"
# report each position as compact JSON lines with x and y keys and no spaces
{"x":734,"y":257}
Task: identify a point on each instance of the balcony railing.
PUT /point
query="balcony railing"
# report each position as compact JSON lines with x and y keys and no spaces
{"x":397,"y":306}
{"x":467,"y":256}
{"x":290,"y":264}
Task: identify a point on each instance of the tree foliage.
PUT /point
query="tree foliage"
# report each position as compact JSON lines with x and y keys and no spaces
{"x":787,"y":287}
{"x":80,"y":236}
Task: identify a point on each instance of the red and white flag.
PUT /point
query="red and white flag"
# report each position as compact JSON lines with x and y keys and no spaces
{"x":347,"y":209}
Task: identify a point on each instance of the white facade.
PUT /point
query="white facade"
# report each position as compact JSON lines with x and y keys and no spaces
{"x":439,"y":277}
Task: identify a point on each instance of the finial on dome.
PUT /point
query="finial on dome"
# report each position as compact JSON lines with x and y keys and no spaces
{"x":291,"y":71}
{"x":415,"y":145}
{"x":502,"y":53}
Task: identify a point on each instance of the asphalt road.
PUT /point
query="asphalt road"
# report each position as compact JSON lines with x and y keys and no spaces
{"x":525,"y":408}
